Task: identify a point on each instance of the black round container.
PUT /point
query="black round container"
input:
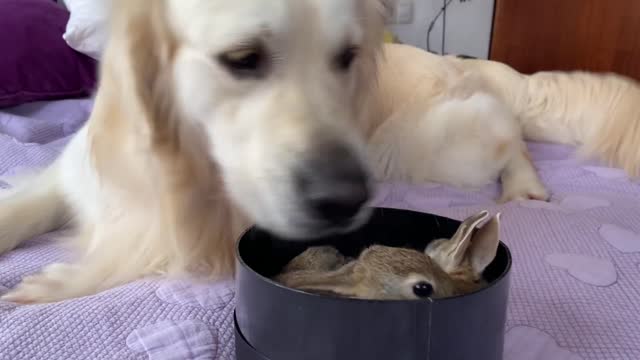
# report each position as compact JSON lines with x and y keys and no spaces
{"x":277,"y":323}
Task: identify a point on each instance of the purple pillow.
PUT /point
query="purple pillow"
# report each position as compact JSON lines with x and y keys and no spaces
{"x":35,"y":61}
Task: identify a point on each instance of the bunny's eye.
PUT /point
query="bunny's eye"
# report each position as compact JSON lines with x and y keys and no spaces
{"x":423,"y":289}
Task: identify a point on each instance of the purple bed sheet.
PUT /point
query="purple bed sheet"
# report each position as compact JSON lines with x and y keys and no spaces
{"x":575,"y":290}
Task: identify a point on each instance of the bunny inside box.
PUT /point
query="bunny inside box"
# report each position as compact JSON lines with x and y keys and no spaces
{"x":406,"y":285}
{"x":446,"y":267}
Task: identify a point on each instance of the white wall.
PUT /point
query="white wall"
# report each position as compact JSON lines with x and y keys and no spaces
{"x":468,"y":26}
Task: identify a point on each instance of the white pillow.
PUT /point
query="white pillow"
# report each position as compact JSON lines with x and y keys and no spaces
{"x":86,"y":30}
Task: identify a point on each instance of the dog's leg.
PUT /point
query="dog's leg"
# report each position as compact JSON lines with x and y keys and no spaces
{"x":48,"y":200}
{"x":113,"y":259}
{"x":520,"y":180}
{"x":61,"y":281}
{"x":466,"y":142}
{"x":52,"y":284}
{"x":33,"y":207}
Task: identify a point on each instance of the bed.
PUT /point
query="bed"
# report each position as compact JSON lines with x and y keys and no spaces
{"x":575,"y":290}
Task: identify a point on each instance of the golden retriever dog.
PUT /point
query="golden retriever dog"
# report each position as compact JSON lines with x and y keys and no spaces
{"x":462,"y":122}
{"x":213,"y":115}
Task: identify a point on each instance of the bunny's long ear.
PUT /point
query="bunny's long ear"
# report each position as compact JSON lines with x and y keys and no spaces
{"x":462,"y":238}
{"x":341,"y":282}
{"x":484,"y":245}
{"x":450,"y":253}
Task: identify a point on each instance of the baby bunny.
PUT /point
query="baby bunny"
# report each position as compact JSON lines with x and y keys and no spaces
{"x":447,"y":267}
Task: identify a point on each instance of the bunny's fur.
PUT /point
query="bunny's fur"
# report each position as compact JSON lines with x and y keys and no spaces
{"x":451,"y":266}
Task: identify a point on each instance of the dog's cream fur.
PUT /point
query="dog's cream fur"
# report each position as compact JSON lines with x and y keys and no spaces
{"x":179,"y":156}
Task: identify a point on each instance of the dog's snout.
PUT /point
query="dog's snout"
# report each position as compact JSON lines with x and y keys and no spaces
{"x":334,"y":184}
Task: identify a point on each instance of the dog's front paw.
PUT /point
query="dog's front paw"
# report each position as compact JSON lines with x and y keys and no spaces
{"x":46,"y":287}
{"x":32,"y":290}
{"x":524,"y":191}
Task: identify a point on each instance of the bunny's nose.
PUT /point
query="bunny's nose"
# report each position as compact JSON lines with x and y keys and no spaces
{"x":334,"y":184}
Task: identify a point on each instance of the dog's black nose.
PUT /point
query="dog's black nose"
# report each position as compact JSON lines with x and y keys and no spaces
{"x":334,"y":184}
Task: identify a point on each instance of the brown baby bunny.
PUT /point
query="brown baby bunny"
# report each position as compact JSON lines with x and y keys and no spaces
{"x":447,"y":267}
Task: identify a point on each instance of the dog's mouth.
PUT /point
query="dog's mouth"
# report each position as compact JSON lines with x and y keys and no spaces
{"x":334,"y":189}
{"x":345,"y":225}
{"x":313,"y":225}
{"x":326,"y":192}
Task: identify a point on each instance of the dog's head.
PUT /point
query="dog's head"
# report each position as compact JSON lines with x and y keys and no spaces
{"x":272,"y":88}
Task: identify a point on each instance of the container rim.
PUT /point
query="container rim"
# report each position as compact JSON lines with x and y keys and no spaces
{"x":504,"y":273}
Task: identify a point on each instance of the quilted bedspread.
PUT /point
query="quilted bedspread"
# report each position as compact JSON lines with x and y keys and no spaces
{"x":575,"y":290}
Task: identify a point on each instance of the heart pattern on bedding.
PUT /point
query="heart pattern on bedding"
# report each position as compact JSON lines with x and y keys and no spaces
{"x":624,"y":240}
{"x":204,"y":294}
{"x":588,"y":269}
{"x":540,"y":205}
{"x":568,"y":204}
{"x":528,"y":343}
{"x":607,"y":172}
{"x":161,"y":341}
{"x":583,"y":203}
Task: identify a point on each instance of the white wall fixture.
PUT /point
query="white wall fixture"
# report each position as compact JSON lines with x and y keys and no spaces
{"x":403,"y":12}
{"x":468,"y":26}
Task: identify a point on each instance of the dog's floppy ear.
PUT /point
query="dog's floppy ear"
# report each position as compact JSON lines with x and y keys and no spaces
{"x":152,"y":46}
{"x":375,"y":12}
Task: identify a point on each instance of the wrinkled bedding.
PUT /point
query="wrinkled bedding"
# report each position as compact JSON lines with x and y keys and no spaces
{"x":575,"y":287}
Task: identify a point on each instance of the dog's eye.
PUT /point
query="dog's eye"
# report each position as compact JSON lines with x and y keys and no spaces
{"x":249,"y":62}
{"x":423,"y":289}
{"x":345,"y":58}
